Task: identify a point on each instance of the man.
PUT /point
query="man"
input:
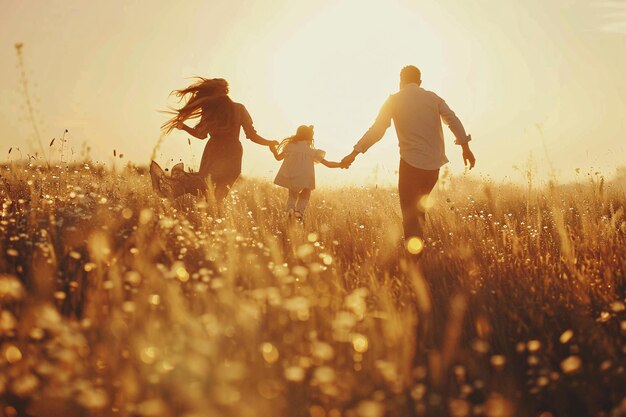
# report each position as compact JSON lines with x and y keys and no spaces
{"x":417,"y":115}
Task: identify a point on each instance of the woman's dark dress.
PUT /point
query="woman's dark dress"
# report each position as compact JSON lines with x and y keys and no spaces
{"x":221,"y":160}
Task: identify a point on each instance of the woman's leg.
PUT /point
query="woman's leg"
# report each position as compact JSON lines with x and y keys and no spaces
{"x":303,"y":200}
{"x":214,"y":194}
{"x":221,"y":192}
{"x":221,"y":188}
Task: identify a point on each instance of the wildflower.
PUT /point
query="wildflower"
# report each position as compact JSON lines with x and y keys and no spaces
{"x":11,"y":288}
{"x":571,"y":365}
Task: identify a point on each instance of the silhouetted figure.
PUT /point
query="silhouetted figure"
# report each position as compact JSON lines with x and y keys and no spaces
{"x":221,"y":120}
{"x":417,"y":115}
{"x":297,"y":172}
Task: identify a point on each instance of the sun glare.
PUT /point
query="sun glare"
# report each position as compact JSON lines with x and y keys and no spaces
{"x":336,"y":74}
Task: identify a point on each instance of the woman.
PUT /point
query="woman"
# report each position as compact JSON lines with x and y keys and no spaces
{"x":220,"y":120}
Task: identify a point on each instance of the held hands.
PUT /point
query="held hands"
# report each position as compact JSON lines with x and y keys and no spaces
{"x":348,"y":160}
{"x":345,"y":163}
{"x":273,"y":145}
{"x":273,"y":148}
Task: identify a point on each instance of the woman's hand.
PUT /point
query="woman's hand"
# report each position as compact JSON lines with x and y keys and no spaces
{"x":277,"y":156}
{"x":180,"y":126}
{"x":274,"y":144}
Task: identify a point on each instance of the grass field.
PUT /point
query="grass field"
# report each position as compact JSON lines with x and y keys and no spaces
{"x":114,"y":302}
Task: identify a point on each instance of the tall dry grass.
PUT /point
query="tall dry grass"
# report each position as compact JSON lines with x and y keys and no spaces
{"x":115,"y":302}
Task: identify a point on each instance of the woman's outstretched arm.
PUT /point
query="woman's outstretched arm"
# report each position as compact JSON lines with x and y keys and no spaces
{"x":262,"y":141}
{"x":250,"y":131}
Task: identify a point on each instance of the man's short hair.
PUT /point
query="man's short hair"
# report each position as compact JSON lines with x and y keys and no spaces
{"x":411,"y":74}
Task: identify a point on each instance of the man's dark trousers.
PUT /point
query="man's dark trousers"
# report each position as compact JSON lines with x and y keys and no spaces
{"x":413,"y":185}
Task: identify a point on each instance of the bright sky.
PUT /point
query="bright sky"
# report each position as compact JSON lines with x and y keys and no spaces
{"x":103,"y":69}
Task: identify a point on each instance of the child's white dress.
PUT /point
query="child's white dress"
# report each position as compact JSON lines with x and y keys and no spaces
{"x":297,"y":171}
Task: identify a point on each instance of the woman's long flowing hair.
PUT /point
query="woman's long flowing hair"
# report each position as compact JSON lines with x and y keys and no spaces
{"x":304,"y":133}
{"x":208,"y":100}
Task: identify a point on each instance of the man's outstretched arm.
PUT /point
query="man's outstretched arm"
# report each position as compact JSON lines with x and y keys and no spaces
{"x":462,"y":138}
{"x":373,"y":134}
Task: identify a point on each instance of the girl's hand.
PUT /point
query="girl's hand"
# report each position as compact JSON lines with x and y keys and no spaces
{"x":274,"y":144}
{"x":332,"y":164}
{"x":180,"y":125}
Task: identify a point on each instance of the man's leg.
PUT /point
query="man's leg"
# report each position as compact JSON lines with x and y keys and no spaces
{"x":414,"y":185}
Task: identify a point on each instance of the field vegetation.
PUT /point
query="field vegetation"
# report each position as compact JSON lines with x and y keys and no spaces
{"x":114,"y":302}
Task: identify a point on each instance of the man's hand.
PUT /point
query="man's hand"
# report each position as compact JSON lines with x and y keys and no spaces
{"x":348,"y":160}
{"x":468,"y":156}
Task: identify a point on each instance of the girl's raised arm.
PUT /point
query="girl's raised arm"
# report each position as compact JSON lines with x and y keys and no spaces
{"x":319,"y":156}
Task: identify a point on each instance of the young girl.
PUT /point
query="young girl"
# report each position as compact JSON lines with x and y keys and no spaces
{"x":297,"y":173}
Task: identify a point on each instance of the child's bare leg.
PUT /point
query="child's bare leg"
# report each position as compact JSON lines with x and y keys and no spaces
{"x":292,"y":199}
{"x":303,"y":200}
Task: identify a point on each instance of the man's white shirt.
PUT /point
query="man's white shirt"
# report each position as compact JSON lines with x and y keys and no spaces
{"x":417,"y":116}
